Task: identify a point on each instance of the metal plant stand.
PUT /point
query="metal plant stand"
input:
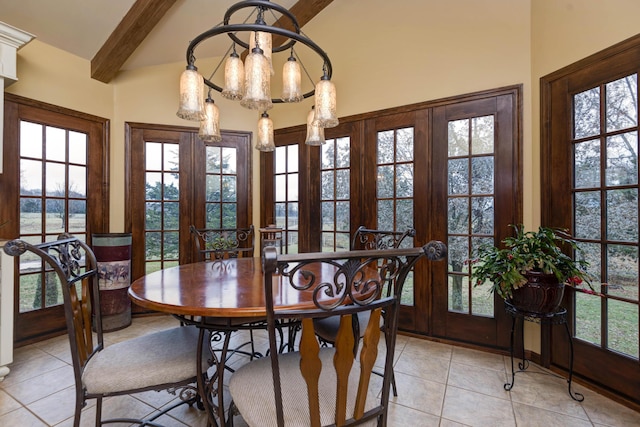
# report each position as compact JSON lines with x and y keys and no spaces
{"x":559,"y":317}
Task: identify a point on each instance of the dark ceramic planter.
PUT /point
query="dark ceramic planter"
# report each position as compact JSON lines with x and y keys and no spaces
{"x":542,"y":294}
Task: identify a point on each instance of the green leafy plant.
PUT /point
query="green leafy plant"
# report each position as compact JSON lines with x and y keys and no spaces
{"x":539,"y":251}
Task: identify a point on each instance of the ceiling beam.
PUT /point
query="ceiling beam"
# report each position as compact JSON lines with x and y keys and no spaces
{"x":125,"y":39}
{"x":304,"y":11}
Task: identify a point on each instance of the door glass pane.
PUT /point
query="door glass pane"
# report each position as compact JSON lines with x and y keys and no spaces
{"x":623,"y":327}
{"x":221,"y":193}
{"x":588,"y":214}
{"x":31,"y":140}
{"x":62,"y":208}
{"x":162,"y":211}
{"x":622,"y":159}
{"x":586,"y":106}
{"x":56,"y":147}
{"x":610,"y":319}
{"x":286,"y":195}
{"x":394,"y":185}
{"x":335,"y":191}
{"x":587,"y":164}
{"x":621,"y":103}
{"x":471,"y":195}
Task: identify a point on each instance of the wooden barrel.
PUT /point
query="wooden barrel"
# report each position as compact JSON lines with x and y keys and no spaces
{"x":113,"y":255}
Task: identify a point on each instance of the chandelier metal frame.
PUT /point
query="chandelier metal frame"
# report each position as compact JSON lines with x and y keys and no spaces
{"x":231,"y":29}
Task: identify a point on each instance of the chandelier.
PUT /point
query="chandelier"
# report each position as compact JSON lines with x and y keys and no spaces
{"x":249,"y":81}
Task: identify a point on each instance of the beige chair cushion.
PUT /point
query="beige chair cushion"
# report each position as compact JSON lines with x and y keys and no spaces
{"x":327,"y":327}
{"x":158,"y":358}
{"x":251,"y":388}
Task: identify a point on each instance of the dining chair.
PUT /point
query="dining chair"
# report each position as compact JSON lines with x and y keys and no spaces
{"x":164,"y":360}
{"x":367,"y":239}
{"x":318,"y":385}
{"x":223,"y":243}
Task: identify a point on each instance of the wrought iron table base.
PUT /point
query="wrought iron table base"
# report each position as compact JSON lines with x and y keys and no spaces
{"x":559,"y":317}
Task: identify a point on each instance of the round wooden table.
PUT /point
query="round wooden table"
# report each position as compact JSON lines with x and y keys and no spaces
{"x":223,"y":296}
{"x":224,"y":289}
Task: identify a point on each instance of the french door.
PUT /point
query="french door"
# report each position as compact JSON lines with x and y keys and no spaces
{"x":591,"y":186}
{"x":476,"y":181}
{"x":176,"y":180}
{"x":54,"y":181}
{"x":397,"y":169}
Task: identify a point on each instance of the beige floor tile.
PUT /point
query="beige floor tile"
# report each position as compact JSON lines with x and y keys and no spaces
{"x":420,"y":394}
{"x":531,"y":416}
{"x":403,"y":416}
{"x":417,"y":365}
{"x":603,"y":411}
{"x":448,"y":423}
{"x":477,"y":409}
{"x":21,"y":417}
{"x":46,"y":384}
{"x":7,"y":403}
{"x":545,"y":391}
{"x":428,"y":348}
{"x":56,"y":407}
{"x":479,"y":379}
{"x":478,"y":358}
{"x":26,"y":368}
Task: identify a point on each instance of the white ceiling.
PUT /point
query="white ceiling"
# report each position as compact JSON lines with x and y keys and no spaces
{"x":82,"y":26}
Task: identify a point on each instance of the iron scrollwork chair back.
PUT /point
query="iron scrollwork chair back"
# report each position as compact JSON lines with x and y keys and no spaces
{"x":223,"y":243}
{"x":335,"y":385}
{"x":368,"y":238}
{"x":126,"y":367}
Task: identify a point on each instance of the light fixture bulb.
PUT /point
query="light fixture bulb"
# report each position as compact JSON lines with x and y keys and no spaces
{"x":191,"y":95}
{"x":257,"y":82}
{"x":291,"y":81}
{"x":315,"y":134}
{"x":264,"y":43}
{"x":233,"y":77}
{"x":325,"y":104}
{"x":210,"y":126}
{"x":265,"y":134}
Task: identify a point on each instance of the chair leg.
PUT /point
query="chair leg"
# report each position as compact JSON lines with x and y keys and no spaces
{"x":393,"y":384}
{"x":98,"y":412}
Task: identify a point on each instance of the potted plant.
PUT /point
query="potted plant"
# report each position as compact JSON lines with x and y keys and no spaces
{"x":531,"y":270}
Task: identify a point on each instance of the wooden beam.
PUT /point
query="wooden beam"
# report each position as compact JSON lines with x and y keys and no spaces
{"x":125,"y":39}
{"x":304,"y":11}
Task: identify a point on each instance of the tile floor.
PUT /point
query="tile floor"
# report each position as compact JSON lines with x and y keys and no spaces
{"x":438,"y":385}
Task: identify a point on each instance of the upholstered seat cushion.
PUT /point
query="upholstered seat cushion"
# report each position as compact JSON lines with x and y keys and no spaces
{"x":251,"y":388}
{"x":159,"y":358}
{"x":327,"y":327}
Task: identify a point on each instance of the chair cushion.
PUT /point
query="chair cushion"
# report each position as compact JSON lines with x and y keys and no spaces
{"x":327,"y":327}
{"x":251,"y":388}
{"x":163,"y":357}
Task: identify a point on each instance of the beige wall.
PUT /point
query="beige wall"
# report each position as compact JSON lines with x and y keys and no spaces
{"x":384,"y":54}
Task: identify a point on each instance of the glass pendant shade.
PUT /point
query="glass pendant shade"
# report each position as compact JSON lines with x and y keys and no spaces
{"x":265,"y":134}
{"x":264,"y":43}
{"x":325,"y":104}
{"x":291,"y":81}
{"x":257,"y":93}
{"x":233,"y":77}
{"x":191,"y":95}
{"x":315,"y":134}
{"x":210,"y":126}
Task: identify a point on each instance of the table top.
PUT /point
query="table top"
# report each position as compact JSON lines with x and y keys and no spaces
{"x":225,"y":288}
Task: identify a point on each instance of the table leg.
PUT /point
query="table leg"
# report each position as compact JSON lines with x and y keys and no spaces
{"x":204,"y":386}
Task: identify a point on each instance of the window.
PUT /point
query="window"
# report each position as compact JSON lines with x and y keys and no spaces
{"x":589,"y":159}
{"x":54,"y":182}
